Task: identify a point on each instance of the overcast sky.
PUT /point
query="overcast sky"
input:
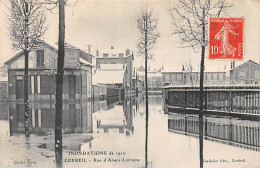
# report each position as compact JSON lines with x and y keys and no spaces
{"x":106,"y":23}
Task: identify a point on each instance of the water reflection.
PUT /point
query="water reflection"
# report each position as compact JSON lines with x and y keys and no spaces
{"x":76,"y":118}
{"x":119,"y":120}
{"x":118,"y":125}
{"x":232,"y":131}
{"x":112,"y":115}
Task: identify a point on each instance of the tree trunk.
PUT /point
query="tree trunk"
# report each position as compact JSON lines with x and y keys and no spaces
{"x":146,"y":99}
{"x":59,"y":85}
{"x":201,"y":95}
{"x":201,"y":107}
{"x":26,"y":54}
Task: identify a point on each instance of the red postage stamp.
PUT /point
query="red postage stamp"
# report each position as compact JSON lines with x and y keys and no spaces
{"x":226,"y":38}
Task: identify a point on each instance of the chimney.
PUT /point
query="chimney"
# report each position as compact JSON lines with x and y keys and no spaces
{"x":232,"y":64}
{"x":183,"y":69}
{"x":127,"y":52}
{"x":97,"y":53}
{"x":105,"y":55}
{"x":121,"y":55}
{"x":112,"y":47}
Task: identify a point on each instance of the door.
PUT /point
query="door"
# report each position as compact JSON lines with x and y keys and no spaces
{"x":72,"y":86}
{"x":19,"y":89}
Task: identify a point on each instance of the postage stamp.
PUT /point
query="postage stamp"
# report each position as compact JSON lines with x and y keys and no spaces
{"x":226,"y":38}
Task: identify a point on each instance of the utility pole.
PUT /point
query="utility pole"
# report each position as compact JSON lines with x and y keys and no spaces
{"x":59,"y":84}
{"x":89,"y":48}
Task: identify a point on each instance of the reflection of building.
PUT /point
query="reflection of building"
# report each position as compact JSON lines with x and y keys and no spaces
{"x":113,"y":116}
{"x":247,"y":73}
{"x":114,"y":69}
{"x":76,"y":117}
{"x":138,"y":84}
{"x":128,"y":112}
{"x":42,"y":69}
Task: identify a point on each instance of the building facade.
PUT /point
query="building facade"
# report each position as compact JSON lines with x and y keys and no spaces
{"x":183,"y":77}
{"x":110,"y":80}
{"x":116,"y":67}
{"x":154,"y":78}
{"x":77,"y":80}
{"x":247,"y":73}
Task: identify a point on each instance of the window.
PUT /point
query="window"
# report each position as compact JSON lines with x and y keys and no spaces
{"x":40,"y":58}
{"x":32,"y":83}
{"x":38,"y":84}
{"x":121,"y":55}
{"x":257,"y":74}
{"x":167,"y":77}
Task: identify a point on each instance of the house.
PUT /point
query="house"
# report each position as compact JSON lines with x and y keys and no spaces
{"x":112,"y":60}
{"x":112,"y":80}
{"x":77,"y":80}
{"x":154,"y":77}
{"x":246,"y":73}
{"x":3,"y":83}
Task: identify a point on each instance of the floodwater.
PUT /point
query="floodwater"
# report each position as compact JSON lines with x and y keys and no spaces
{"x":111,"y":133}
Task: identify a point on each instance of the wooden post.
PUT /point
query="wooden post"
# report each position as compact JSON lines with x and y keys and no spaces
{"x":185,"y":116}
{"x":59,"y":85}
{"x":230,"y":99}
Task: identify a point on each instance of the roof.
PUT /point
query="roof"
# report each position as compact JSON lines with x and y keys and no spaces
{"x":52,"y":46}
{"x":141,"y":68}
{"x":21,"y":52}
{"x":166,"y":69}
{"x":114,"y":53}
{"x":83,"y":61}
{"x":244,"y":64}
{"x":109,"y":77}
{"x":179,"y":70}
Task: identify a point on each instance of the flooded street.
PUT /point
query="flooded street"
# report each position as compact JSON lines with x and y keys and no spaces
{"x":111,"y":133}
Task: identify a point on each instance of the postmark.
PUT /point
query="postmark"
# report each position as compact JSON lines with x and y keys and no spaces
{"x":226,"y":38}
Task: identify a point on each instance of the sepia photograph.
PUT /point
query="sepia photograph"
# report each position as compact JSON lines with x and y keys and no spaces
{"x":129,"y":83}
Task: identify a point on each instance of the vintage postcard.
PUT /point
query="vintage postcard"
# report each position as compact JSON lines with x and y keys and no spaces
{"x":129,"y":83}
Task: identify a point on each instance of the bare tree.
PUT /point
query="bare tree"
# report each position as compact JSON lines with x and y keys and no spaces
{"x":190,"y":21}
{"x":191,"y":73}
{"x":26,"y":27}
{"x":147,"y":26}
